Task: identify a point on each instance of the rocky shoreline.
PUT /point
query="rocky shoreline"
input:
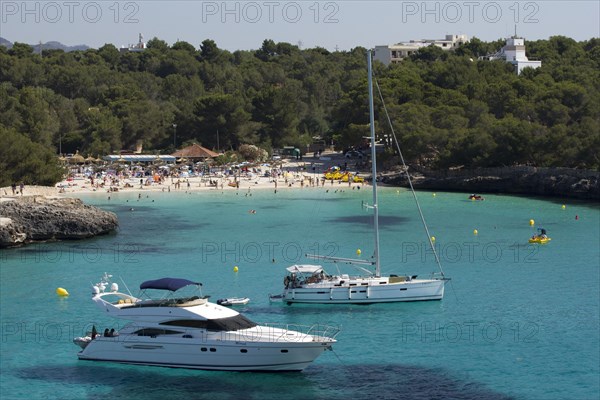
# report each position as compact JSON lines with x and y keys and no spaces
{"x":37,"y":218}
{"x":553,"y":182}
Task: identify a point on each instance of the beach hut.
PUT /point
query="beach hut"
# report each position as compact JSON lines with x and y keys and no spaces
{"x":76,"y":158}
{"x":195,"y":153}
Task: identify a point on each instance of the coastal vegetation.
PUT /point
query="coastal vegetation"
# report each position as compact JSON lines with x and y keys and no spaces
{"x":448,"y":109}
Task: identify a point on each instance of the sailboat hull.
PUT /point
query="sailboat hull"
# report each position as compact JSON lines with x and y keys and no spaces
{"x":366,"y":291}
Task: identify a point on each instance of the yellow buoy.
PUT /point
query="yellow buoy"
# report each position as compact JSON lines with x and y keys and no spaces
{"x":358,"y":252}
{"x":62,"y":292}
{"x":475,"y":232}
{"x":433,"y":195}
{"x":433,"y":238}
{"x":564,"y":207}
{"x":235,"y":269}
{"x":531,"y":222}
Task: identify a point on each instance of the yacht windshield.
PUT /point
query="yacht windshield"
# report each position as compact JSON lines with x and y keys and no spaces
{"x":236,"y":323}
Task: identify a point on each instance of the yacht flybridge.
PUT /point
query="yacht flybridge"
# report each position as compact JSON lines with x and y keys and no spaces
{"x":191,"y":332}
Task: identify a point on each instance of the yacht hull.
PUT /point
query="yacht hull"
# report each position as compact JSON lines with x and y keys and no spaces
{"x":237,"y":356}
{"x":366,"y":292}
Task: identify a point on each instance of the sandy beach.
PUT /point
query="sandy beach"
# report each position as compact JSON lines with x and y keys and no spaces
{"x":294,"y":175}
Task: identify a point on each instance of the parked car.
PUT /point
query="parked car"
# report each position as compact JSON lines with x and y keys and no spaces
{"x":354,"y":154}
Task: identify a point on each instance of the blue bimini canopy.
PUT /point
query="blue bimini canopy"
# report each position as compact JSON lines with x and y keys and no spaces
{"x":172,"y":284}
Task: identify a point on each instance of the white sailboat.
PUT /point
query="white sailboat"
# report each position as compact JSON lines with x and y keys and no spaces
{"x":309,"y":283}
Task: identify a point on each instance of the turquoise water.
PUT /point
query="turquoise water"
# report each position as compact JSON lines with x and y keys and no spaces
{"x":518,"y":320}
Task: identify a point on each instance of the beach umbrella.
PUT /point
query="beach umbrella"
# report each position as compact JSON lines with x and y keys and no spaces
{"x":76,"y":159}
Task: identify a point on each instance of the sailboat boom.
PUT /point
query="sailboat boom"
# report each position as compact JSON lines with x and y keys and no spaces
{"x":340,"y":259}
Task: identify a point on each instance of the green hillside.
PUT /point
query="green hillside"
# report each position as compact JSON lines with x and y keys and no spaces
{"x":449,"y":109}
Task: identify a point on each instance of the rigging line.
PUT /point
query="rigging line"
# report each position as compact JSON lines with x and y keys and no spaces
{"x":311,"y":228}
{"x":437,"y":259}
{"x":315,"y":224}
{"x":349,"y":371}
{"x":128,"y":291}
{"x":338,"y":357}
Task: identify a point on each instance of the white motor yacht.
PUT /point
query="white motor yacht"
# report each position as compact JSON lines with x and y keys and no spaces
{"x":191,"y":332}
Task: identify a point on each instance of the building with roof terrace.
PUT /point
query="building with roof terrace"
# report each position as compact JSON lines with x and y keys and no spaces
{"x":399,"y":51}
{"x":514,"y":52}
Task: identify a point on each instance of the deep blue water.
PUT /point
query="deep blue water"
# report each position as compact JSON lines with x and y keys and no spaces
{"x":518,"y":320}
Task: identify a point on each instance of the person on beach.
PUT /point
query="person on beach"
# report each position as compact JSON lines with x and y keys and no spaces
{"x":22,"y":186}
{"x":14,"y":188}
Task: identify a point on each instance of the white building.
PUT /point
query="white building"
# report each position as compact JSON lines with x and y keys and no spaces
{"x":396,"y":52}
{"x":140,"y":46}
{"x":514,"y":53}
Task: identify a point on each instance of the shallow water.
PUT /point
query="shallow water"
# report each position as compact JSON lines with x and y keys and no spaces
{"x":517,"y":320}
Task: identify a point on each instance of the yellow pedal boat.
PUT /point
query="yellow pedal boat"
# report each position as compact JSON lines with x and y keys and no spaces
{"x":539,"y":240}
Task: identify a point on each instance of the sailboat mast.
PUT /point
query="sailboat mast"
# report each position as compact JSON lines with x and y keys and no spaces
{"x":373,"y":167}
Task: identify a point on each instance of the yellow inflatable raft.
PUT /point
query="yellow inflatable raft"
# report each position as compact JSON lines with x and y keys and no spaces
{"x":539,"y":240}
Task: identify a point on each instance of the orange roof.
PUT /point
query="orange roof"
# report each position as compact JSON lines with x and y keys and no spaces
{"x":195,"y":151}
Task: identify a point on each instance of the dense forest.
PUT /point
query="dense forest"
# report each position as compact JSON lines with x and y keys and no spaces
{"x":448,"y":109}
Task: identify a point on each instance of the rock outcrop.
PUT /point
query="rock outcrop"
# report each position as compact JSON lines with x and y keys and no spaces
{"x":36,"y":218}
{"x":560,"y":182}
